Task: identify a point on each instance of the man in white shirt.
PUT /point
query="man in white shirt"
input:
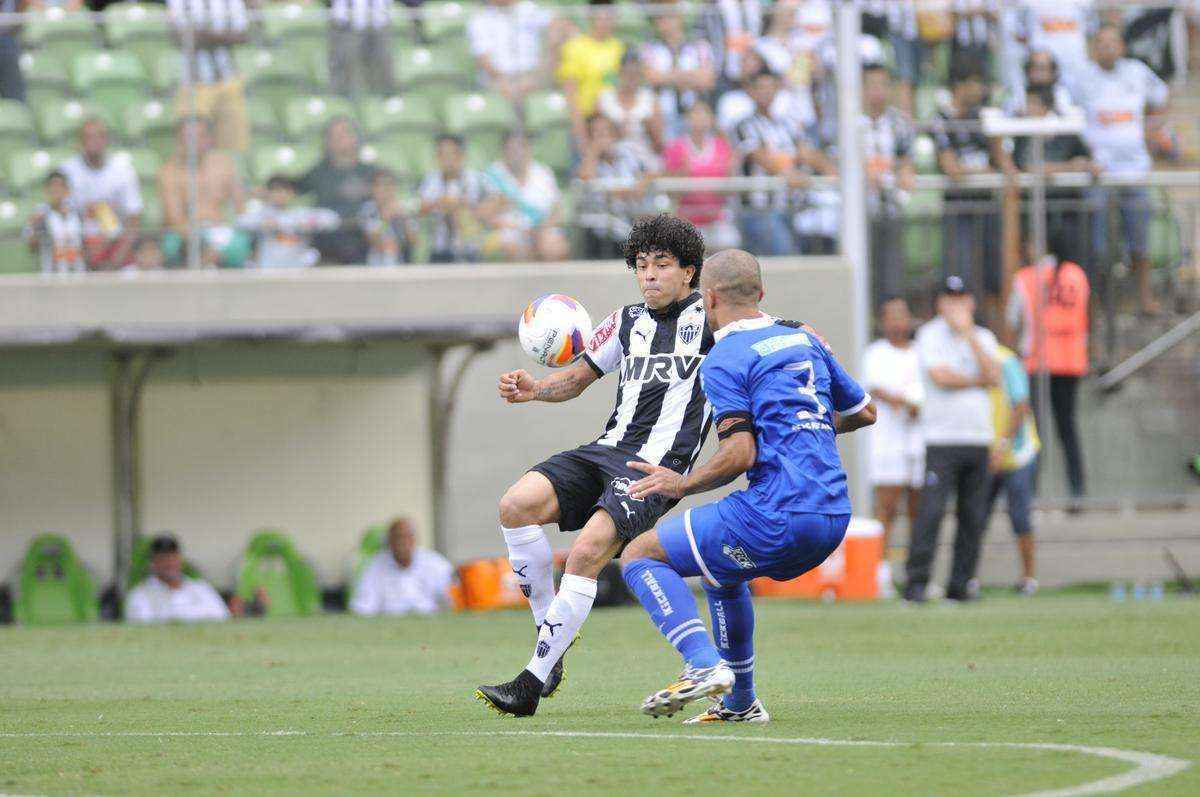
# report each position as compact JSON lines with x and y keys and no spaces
{"x":104,"y":190}
{"x":892,"y":374}
{"x":402,"y":578}
{"x":958,"y":364}
{"x":506,"y":38}
{"x":1120,"y":98}
{"x":167,"y":595}
{"x":1059,"y":27}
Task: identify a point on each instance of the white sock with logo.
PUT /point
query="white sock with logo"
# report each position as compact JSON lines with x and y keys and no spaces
{"x":564,"y":618}
{"x":532,"y":562}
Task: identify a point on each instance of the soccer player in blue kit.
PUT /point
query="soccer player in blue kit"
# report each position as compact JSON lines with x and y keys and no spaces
{"x":778,"y":399}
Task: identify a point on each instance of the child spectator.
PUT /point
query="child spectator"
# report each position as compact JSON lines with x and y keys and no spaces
{"x":703,"y":153}
{"x":390,"y":232}
{"x":588,"y":62}
{"x":632,"y":107}
{"x":283,"y":231}
{"x":55,"y":230}
{"x":451,"y":198}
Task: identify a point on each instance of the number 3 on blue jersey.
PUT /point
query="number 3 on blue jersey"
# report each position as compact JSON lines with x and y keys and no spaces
{"x":807,"y":376}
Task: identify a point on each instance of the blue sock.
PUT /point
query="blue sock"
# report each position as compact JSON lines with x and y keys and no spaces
{"x":732,"y":615}
{"x":667,"y":598}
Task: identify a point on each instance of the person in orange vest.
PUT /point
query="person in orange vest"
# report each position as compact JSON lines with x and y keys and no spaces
{"x":1048,"y":314}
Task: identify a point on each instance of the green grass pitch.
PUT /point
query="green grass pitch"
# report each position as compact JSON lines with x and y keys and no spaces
{"x":337,"y":705}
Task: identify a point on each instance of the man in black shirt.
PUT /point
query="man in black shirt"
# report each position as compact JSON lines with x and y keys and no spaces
{"x":342,"y":183}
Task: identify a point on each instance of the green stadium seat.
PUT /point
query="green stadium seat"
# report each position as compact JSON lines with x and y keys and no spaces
{"x":59,"y":32}
{"x":305,"y":117}
{"x":922,"y":232}
{"x":138,"y":28}
{"x":27,"y":168}
{"x":396,"y":159}
{"x":263,"y":119}
{"x":382,"y":117}
{"x":553,"y":148}
{"x":289,"y":159}
{"x":445,"y":20}
{"x":274,"y":77}
{"x":482,"y":120}
{"x":430,"y":70}
{"x":372,"y":542}
{"x":54,"y":586}
{"x":15,"y":257}
{"x":272,"y":566}
{"x":58,"y":121}
{"x":112,"y":80}
{"x":166,"y":72}
{"x":150,"y":124}
{"x":46,"y":77}
{"x":16,"y":128}
{"x":139,"y":564}
{"x":1164,"y":238}
{"x":545,"y":110}
{"x":288,"y":23}
{"x":420,"y":150}
{"x":317,"y":62}
{"x":146,"y":163}
{"x":152,"y":210}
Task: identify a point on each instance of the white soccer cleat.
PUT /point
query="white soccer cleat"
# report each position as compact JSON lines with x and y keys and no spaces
{"x":694,"y":683}
{"x":718,"y":713}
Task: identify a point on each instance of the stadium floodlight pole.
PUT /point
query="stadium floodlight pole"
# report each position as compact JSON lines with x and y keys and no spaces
{"x":852,"y":178}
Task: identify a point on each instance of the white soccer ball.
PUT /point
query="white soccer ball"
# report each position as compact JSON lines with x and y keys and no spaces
{"x":554,"y":329}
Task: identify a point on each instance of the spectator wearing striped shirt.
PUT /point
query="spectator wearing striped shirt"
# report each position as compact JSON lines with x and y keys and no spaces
{"x":360,"y":48}
{"x":887,"y":140}
{"x":510,"y":40}
{"x":207,"y":30}
{"x":681,"y":70}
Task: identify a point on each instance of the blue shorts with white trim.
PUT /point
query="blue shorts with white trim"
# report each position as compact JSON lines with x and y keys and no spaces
{"x":725,"y":546}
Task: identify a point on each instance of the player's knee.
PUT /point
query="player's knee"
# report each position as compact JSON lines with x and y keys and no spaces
{"x":516,"y":508}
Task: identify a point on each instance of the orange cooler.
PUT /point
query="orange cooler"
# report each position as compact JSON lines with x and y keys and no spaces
{"x":489,"y":584}
{"x":848,"y":573}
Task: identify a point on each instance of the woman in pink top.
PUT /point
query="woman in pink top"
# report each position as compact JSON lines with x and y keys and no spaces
{"x":703,"y":153}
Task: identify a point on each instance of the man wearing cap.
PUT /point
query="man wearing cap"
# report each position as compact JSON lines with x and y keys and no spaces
{"x":958,"y":363}
{"x":167,"y":595}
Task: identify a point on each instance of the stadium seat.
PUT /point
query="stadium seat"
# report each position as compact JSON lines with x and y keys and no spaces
{"x":58,"y":121}
{"x":922,"y":232}
{"x":383,"y":117}
{"x":60,"y":33}
{"x":152,"y":210}
{"x":150,"y":124}
{"x":54,"y":587}
{"x":112,"y":80}
{"x":139,"y":564}
{"x":263,"y":119}
{"x":289,"y":23}
{"x":419,"y":151}
{"x":444,"y":20}
{"x":273,"y":567}
{"x":293,"y":160}
{"x":145,"y":163}
{"x":274,"y":77}
{"x":166,"y":72}
{"x":16,"y":128}
{"x":305,"y":117}
{"x":481,"y":119}
{"x":45,"y":76}
{"x":393,"y":157}
{"x":372,"y":542}
{"x":138,"y":28}
{"x":547,"y":119}
{"x":553,"y":148}
{"x":430,"y":71}
{"x":316,"y":60}
{"x":27,"y":168}
{"x":15,"y":257}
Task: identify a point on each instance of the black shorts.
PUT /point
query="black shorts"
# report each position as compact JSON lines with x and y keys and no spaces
{"x":595,"y":477}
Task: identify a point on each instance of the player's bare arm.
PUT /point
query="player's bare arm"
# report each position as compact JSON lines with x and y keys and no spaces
{"x":843,"y":424}
{"x":734,"y":456}
{"x":517,"y":387}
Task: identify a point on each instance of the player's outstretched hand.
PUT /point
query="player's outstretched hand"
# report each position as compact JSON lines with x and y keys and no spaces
{"x":660,"y":481}
{"x":517,"y":386}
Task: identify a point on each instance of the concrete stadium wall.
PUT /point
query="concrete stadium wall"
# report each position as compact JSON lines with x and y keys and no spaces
{"x":318,"y":441}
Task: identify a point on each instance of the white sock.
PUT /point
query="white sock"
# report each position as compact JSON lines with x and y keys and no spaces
{"x":564,"y":618}
{"x":532,"y":562}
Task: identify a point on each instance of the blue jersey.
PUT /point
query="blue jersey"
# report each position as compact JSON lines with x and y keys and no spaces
{"x":789,"y":386}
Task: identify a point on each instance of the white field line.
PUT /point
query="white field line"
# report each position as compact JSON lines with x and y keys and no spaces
{"x":1147,"y":767}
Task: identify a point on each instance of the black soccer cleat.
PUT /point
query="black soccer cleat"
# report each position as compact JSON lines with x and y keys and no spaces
{"x":519,"y":697}
{"x":558,"y":674}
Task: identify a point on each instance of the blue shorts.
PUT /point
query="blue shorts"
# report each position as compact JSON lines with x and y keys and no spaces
{"x":725,"y":546}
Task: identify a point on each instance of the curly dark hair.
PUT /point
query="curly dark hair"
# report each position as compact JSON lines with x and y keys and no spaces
{"x":670,"y":235}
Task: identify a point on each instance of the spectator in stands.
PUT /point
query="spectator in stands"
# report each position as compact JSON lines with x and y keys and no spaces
{"x":588,"y":62}
{"x":54,"y":231}
{"x":147,"y":255}
{"x":282,"y":231}
{"x":958,"y":364}
{"x":703,"y":152}
{"x":220,"y":197}
{"x":971,"y":220}
{"x":900,"y":21}
{"x":610,"y":212}
{"x":731,"y":27}
{"x":1066,"y":215}
{"x":524,"y":205}
{"x":392,"y":235}
{"x":451,"y":198}
{"x":680,"y":69}
{"x":1048,"y":315}
{"x":506,"y":39}
{"x":1040,"y":73}
{"x":341,"y":182}
{"x":771,"y":145}
{"x":213,"y":87}
{"x":783,"y":55}
{"x":12,"y":80}
{"x":887,"y":140}
{"x":1013,"y":460}
{"x":1122,"y":98}
{"x":360,"y":46}
{"x":1058,"y":29}
{"x":105,"y":192}
{"x":892,"y":373}
{"x":974,"y":21}
{"x":403,"y":578}
{"x":167,"y":595}
{"x":633,"y":108}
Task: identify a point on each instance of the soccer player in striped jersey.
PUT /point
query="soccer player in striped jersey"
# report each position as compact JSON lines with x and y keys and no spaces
{"x":661,"y":418}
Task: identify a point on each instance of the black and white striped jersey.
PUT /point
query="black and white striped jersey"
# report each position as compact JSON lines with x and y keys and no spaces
{"x":661,"y":414}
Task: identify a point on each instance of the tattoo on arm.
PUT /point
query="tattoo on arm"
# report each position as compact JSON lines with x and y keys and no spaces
{"x":562,"y":386}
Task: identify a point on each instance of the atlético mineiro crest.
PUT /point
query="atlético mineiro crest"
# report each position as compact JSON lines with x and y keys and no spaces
{"x":542,"y":649}
{"x":689,"y":333}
